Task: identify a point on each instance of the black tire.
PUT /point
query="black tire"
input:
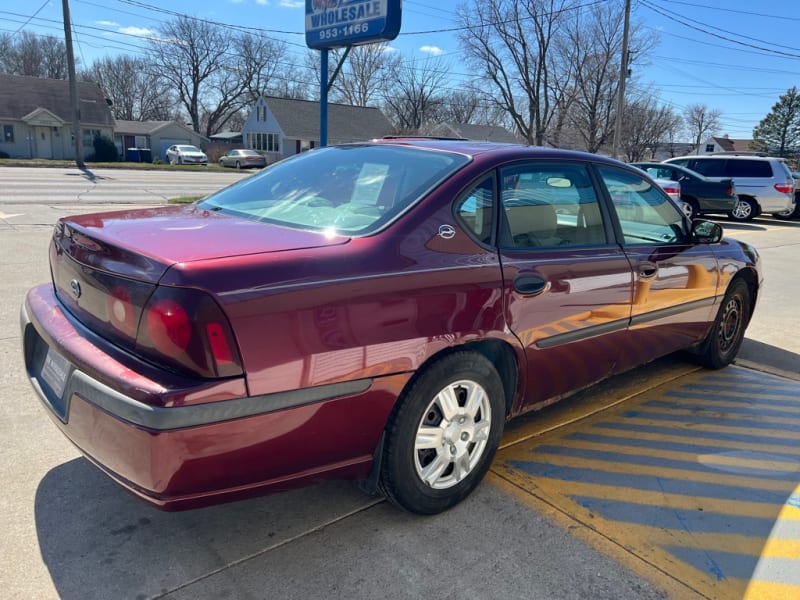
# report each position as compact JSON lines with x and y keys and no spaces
{"x":746,"y":209}
{"x":238,"y":165}
{"x":460,"y":435}
{"x":795,"y":214}
{"x":725,"y":338}
{"x":691,"y":208}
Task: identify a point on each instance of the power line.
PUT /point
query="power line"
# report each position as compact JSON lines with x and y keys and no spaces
{"x":45,"y":3}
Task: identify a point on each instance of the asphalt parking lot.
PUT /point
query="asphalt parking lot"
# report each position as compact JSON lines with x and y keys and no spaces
{"x":669,"y":482}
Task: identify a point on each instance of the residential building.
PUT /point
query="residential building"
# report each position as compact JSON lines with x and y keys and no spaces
{"x":36,"y":117}
{"x":282,"y":127}
{"x":725,"y":144}
{"x":156,"y":136}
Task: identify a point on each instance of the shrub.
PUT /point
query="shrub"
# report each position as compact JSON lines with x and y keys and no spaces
{"x":105,"y":150}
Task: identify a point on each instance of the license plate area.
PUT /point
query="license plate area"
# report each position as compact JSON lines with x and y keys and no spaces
{"x":50,"y":371}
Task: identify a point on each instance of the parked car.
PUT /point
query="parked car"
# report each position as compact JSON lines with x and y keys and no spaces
{"x":795,"y":212}
{"x":673,"y":190}
{"x":372,"y":311}
{"x":182,"y":154}
{"x":243,"y":159}
{"x":701,"y":195}
{"x":763,"y":184}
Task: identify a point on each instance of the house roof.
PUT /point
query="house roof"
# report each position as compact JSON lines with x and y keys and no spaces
{"x":21,"y":96}
{"x":484,"y":133}
{"x":733,"y":145}
{"x":299,"y":119}
{"x":149,"y":127}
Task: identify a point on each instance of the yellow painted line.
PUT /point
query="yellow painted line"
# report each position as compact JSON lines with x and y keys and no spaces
{"x":692,"y":457}
{"x":691,"y":429}
{"x":646,"y":568}
{"x":666,"y":472}
{"x":688,"y":412}
{"x":761,"y":510}
{"x":766,"y":590}
{"x":713,"y":401}
{"x":695,"y":441}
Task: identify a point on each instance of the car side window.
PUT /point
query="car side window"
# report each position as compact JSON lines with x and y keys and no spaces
{"x":476,"y":207}
{"x":645,"y":213}
{"x":710,"y":167}
{"x":549,"y":205}
{"x":748,"y":168}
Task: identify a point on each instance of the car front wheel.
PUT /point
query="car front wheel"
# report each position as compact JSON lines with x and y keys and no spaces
{"x":726,"y":335}
{"x":745,"y":210}
{"x":443,"y":434}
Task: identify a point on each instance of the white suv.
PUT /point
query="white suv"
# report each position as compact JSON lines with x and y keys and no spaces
{"x":763,"y":184}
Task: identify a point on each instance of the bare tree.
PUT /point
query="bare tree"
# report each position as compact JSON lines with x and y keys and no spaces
{"x":701,"y":121}
{"x":33,"y":55}
{"x":508,"y":42}
{"x":646,"y":127}
{"x":589,"y":55}
{"x":136,"y":92}
{"x":214,"y":72}
{"x":365,"y":75}
{"x":416,"y":97}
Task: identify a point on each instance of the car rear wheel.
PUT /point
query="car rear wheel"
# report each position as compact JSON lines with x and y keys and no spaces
{"x":690,"y":208}
{"x":726,"y":335}
{"x":745,"y":210}
{"x":442,"y":436}
{"x":792,"y":214}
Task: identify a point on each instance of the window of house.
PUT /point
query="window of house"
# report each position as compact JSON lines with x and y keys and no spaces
{"x":89,"y":135}
{"x":266,"y":142}
{"x":8,"y":134}
{"x":709,"y":147}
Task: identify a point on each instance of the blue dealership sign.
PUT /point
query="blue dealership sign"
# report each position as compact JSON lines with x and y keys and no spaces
{"x":338,"y":23}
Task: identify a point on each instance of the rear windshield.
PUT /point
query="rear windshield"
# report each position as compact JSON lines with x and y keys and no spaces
{"x":352,"y":190}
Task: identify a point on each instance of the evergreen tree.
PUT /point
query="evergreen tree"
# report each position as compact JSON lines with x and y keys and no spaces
{"x":779,"y":132}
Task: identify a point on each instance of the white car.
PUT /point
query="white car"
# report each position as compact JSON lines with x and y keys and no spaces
{"x":183,"y":154}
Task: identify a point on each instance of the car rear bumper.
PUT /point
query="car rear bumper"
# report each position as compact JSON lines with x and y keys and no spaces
{"x":181,"y":447}
{"x":718,"y":205}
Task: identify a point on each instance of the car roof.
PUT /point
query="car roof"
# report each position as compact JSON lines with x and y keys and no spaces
{"x":475,"y":148}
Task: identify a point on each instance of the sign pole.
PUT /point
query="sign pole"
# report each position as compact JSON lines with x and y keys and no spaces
{"x":323,"y":98}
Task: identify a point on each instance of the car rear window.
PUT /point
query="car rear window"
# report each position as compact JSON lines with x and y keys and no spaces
{"x":351,"y":190}
{"x":748,"y":168}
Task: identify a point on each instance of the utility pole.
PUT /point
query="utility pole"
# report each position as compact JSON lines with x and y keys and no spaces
{"x":73,"y":88}
{"x":623,"y":75}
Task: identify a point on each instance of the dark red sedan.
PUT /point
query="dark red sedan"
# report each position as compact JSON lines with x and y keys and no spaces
{"x":371,"y":311}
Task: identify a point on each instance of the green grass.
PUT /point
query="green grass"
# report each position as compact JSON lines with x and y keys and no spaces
{"x":184,"y":199}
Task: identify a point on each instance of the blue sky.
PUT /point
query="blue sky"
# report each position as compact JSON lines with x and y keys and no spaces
{"x":737,"y":56}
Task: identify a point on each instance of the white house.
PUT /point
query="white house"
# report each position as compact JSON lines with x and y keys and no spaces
{"x":156,"y":136}
{"x":725,"y":144}
{"x":36,"y":117}
{"x":282,"y":127}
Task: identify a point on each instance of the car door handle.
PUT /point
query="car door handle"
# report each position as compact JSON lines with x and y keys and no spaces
{"x":647,"y":270}
{"x":530,"y":285}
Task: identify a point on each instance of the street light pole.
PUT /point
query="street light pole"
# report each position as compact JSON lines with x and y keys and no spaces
{"x":73,"y":87}
{"x":623,"y":75}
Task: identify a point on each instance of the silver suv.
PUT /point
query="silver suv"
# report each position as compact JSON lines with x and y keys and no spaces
{"x":764,"y":184}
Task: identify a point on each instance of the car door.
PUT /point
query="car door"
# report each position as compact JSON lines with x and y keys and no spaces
{"x":675,"y":281}
{"x":567,"y":286}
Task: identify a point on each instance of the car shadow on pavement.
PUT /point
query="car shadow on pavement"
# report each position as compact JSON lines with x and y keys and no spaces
{"x":98,"y":541}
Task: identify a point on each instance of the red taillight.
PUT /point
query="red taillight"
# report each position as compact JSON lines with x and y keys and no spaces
{"x":185,"y":329}
{"x":784,"y":188}
{"x":168,"y":326}
{"x":672,"y":190}
{"x":731,"y":191}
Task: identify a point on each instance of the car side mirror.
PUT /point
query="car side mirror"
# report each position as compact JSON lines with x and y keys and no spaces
{"x":706,"y":232}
